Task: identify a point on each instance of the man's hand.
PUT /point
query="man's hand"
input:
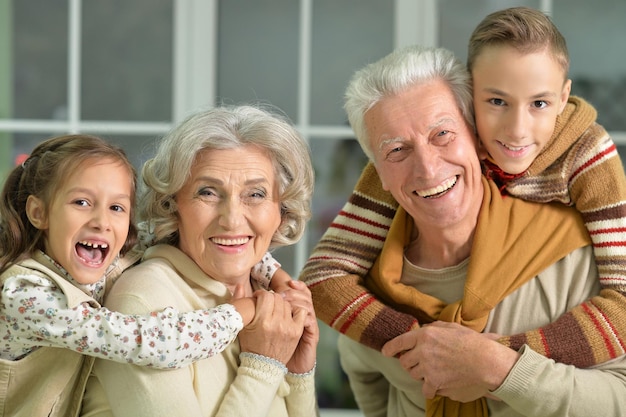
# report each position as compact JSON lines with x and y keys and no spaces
{"x":452,"y":360}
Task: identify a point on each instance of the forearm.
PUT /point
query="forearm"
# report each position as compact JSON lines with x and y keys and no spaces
{"x":343,"y":257}
{"x":539,"y":387}
{"x":254,"y":388}
{"x":301,"y":401}
{"x":353,"y":310}
{"x":589,"y":334}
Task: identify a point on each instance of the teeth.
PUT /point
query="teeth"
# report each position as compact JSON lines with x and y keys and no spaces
{"x":444,"y":186}
{"x":230,"y":242}
{"x":94,"y":245}
{"x":512,"y":148}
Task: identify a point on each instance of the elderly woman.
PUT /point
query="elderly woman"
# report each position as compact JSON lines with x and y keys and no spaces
{"x":225,"y":186}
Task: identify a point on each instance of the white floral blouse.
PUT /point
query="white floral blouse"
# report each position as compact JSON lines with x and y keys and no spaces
{"x":34,"y":313}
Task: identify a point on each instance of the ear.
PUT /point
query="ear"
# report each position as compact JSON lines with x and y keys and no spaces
{"x":36,"y":212}
{"x":567,"y":89}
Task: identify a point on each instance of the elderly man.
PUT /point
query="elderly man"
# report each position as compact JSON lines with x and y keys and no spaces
{"x":411,"y":112}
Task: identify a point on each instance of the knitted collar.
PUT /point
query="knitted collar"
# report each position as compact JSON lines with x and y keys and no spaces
{"x":529,"y":237}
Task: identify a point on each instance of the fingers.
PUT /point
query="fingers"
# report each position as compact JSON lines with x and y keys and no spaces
{"x":399,"y":344}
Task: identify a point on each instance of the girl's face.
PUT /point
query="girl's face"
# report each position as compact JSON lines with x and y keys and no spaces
{"x":229,"y":211}
{"x":88,"y":218}
{"x":517,"y":98}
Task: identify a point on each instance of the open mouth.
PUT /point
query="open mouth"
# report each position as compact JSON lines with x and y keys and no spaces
{"x":439,"y":190}
{"x":92,"y":253}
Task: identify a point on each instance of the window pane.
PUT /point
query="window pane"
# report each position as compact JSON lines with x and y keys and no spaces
{"x":39,"y":59}
{"x":347,"y":35}
{"x":595,"y":35}
{"x":258,"y":53}
{"x":458,"y":18}
{"x":338,"y":164}
{"x":138,"y":148}
{"x":127,"y":60}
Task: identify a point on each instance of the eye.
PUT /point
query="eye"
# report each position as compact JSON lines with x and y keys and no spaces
{"x":443,"y":137}
{"x":207,"y":192}
{"x":540,"y":104}
{"x":118,"y":208}
{"x":81,"y":202}
{"x":257,"y":194}
{"x":497,"y":102}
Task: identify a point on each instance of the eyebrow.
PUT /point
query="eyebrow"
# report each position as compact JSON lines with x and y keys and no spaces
{"x":253,"y":181}
{"x":85,"y":190}
{"x":536,"y":96}
{"x":437,"y":124}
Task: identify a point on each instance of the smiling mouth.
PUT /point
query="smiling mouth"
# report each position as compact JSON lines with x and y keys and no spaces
{"x":230,"y":242}
{"x":92,"y":253}
{"x":513,"y":148}
{"x":439,"y":190}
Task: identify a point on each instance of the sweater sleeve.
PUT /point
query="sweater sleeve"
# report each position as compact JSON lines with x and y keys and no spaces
{"x":530,"y":389}
{"x":594,"y":181}
{"x":336,"y":269}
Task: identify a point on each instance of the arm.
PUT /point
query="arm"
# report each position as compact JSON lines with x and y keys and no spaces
{"x":334,"y":273}
{"x":36,"y":314}
{"x":593,"y":178}
{"x":368,"y":382}
{"x":432,"y":352}
{"x":227,"y":384}
{"x":459,"y":363}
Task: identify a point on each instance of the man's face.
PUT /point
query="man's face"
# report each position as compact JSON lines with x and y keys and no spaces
{"x":517,"y":98}
{"x":425,"y":155}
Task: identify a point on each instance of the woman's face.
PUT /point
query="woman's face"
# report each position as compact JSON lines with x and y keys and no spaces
{"x":229,"y":211}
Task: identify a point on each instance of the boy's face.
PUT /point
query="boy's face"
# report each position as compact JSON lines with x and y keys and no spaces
{"x":517,"y":98}
{"x":88,"y":218}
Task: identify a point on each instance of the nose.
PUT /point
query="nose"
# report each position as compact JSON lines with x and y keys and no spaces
{"x":517,"y":124}
{"x":425,"y":161}
{"x":101,"y":219}
{"x":231,"y":213}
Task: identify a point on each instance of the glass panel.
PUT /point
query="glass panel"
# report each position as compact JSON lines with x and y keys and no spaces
{"x":346,"y":35}
{"x":458,"y":18}
{"x":258,"y":53}
{"x":598,"y":56}
{"x":338,"y":163}
{"x":39,"y":59}
{"x":127,"y":60}
{"x":25,"y":142}
{"x":138,"y":148}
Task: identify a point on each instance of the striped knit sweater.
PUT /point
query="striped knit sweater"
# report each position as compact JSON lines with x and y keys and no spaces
{"x":579,"y":166}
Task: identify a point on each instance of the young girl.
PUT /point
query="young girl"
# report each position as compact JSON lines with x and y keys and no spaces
{"x":65,"y":232}
{"x":554,"y":152}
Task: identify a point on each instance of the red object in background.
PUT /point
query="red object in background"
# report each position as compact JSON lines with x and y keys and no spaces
{"x":19,"y":159}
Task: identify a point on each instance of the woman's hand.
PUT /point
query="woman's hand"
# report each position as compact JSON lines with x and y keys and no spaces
{"x":303,"y":359}
{"x":274,"y":331}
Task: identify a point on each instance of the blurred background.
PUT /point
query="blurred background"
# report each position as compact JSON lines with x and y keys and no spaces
{"x":128,"y":70}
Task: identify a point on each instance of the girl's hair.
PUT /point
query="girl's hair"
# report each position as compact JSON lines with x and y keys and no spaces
{"x":227,"y":127}
{"x":42,"y":175}
{"x":525,"y":29}
{"x":399,"y":71}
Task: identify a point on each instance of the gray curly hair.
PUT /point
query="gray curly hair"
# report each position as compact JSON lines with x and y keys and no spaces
{"x":226,"y":127}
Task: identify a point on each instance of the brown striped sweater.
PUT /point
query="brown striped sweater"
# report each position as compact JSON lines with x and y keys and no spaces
{"x":579,"y":166}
